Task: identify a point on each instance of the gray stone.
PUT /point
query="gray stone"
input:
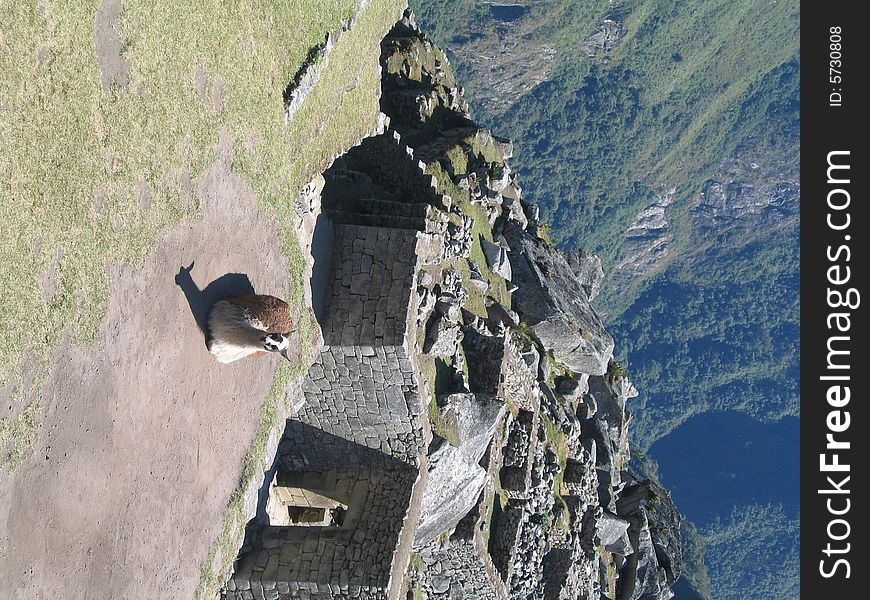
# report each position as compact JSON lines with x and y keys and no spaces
{"x":476,"y":278}
{"x":452,"y":489}
{"x":588,"y":269}
{"x":610,"y":528}
{"x":440,"y":584}
{"x":496,"y":313}
{"x":497,"y":259}
{"x":513,"y":209}
{"x":532,"y":358}
{"x":551,"y":300}
{"x":427,"y":304}
{"x":425,"y":279}
{"x":568,"y":387}
{"x":621,"y":545}
{"x":441,"y":337}
{"x":477,"y":416}
{"x":448,"y":306}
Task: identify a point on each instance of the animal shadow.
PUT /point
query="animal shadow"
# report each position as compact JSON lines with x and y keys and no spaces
{"x":201,"y":300}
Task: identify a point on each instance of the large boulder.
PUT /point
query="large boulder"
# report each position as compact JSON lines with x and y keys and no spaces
{"x":497,"y":259}
{"x":654,"y":525}
{"x":442,"y":337}
{"x":453,"y":486}
{"x":588,"y":269}
{"x":641,"y":577}
{"x":551,"y":300}
{"x":455,"y":478}
{"x":477,"y":416}
{"x":613,"y":533}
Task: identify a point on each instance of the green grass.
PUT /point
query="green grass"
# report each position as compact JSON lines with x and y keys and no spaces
{"x":416,"y":566}
{"x":224,"y":548}
{"x":16,"y":435}
{"x":458,"y":159}
{"x":442,"y":426}
{"x":610,"y":582}
{"x":74,"y":154}
{"x":66,"y":142}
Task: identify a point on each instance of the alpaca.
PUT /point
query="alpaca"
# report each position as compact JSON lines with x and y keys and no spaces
{"x":247,"y":325}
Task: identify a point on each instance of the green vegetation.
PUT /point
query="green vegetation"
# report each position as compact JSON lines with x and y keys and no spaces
{"x":554,"y":438}
{"x":416,"y":566}
{"x":695,"y":582}
{"x":609,"y":589}
{"x":615,"y":371}
{"x":526,"y":337}
{"x":78,"y":160}
{"x":606,"y":133}
{"x":756,"y":548}
{"x":16,"y":435}
{"x":416,"y":562}
{"x":458,"y":163}
{"x":736,"y":346}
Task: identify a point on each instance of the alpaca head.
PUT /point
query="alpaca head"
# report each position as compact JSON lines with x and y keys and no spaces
{"x":276,"y":342}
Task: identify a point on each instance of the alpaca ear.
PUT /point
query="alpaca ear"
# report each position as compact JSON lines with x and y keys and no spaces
{"x":284,"y":353}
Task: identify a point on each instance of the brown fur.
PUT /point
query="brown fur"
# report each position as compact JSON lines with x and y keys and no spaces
{"x":272,"y":312}
{"x":237,"y":325}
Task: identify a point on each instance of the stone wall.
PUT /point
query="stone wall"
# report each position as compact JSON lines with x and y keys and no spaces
{"x":454,"y":571}
{"x":391,"y":166}
{"x":349,"y":560}
{"x":358,"y":439}
{"x":369,"y":297}
{"x":505,"y":539}
{"x":518,"y":453}
{"x":368,"y":399}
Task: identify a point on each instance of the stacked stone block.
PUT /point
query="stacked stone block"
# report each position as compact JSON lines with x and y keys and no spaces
{"x":518,"y":451}
{"x":453,"y":572}
{"x":368,"y":301}
{"x":391,"y":166}
{"x":357,"y":440}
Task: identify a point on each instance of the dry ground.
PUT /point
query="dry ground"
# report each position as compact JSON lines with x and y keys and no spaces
{"x":138,"y":138}
{"x":143,"y":436}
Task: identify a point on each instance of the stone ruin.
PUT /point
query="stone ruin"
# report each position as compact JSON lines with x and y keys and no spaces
{"x":458,"y":435}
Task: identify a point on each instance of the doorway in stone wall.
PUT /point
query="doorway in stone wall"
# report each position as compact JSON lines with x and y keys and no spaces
{"x":296,"y":506}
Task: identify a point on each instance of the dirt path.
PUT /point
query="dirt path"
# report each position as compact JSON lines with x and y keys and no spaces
{"x":143,"y":436}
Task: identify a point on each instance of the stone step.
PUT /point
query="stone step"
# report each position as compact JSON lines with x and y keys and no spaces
{"x":379,"y":206}
{"x":385,"y":221}
{"x":389,"y":165}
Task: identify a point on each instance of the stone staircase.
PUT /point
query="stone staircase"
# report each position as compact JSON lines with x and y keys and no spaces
{"x":376,"y":212}
{"x":380,"y":184}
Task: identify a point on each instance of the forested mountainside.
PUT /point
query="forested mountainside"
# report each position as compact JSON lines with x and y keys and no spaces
{"x":664,"y":136}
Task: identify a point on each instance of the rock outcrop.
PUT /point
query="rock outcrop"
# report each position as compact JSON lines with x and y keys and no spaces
{"x":551,"y":300}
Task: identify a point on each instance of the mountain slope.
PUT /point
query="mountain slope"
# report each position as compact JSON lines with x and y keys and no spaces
{"x":665,"y":137}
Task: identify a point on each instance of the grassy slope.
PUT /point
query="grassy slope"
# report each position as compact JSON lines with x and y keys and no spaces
{"x":76,"y":157}
{"x":756,"y":548}
{"x":687,"y":84}
{"x":597,"y":142}
{"x":73,"y":155}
